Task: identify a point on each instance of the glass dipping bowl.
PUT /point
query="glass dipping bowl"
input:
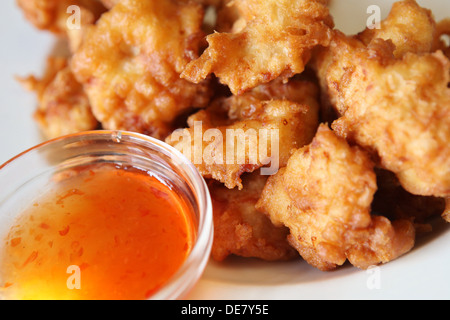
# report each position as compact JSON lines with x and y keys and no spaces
{"x":25,"y":177}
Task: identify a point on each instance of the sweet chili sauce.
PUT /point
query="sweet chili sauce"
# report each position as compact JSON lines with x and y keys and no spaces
{"x":103,"y":233}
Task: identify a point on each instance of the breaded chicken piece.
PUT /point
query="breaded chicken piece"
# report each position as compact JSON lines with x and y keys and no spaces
{"x":243,"y":133}
{"x":275,"y":40}
{"x":410,"y":27}
{"x":400,"y":110}
{"x":57,"y":17}
{"x":130,"y":65}
{"x":392,"y":97}
{"x":397,"y":108}
{"x":239,"y":229}
{"x":323,"y":196}
{"x":64,"y":107}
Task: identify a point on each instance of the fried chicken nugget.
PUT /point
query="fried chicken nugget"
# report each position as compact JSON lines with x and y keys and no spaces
{"x":410,"y":27}
{"x":130,"y":65}
{"x":397,"y":108}
{"x":243,"y":133}
{"x":64,"y":107}
{"x":275,"y":41}
{"x":239,"y":229}
{"x":323,"y":196}
{"x":392,"y":97}
{"x":401,"y":111}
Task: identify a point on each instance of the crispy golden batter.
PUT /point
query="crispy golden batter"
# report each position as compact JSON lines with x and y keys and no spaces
{"x":392,"y":96}
{"x":398,"y":108}
{"x":291,"y":109}
{"x":130,"y":65}
{"x":274,"y":41}
{"x":63,"y":105}
{"x":323,"y":196}
{"x":239,"y":229}
{"x":401,"y":111}
{"x":410,"y":27}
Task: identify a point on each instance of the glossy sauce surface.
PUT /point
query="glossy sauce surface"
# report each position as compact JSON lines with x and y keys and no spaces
{"x":103,"y":233}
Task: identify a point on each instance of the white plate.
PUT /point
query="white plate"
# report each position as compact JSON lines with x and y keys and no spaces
{"x":421,"y":274}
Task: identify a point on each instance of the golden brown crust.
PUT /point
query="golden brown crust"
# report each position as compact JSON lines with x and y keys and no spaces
{"x":289,"y":109}
{"x":274,"y":41}
{"x":239,"y":229}
{"x":392,"y":97}
{"x":323,"y":196}
{"x":410,"y":27}
{"x":385,"y":92}
{"x":401,"y":111}
{"x":130,"y":65}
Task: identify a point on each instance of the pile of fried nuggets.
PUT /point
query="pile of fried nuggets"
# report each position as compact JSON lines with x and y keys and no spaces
{"x":364,"y":120}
